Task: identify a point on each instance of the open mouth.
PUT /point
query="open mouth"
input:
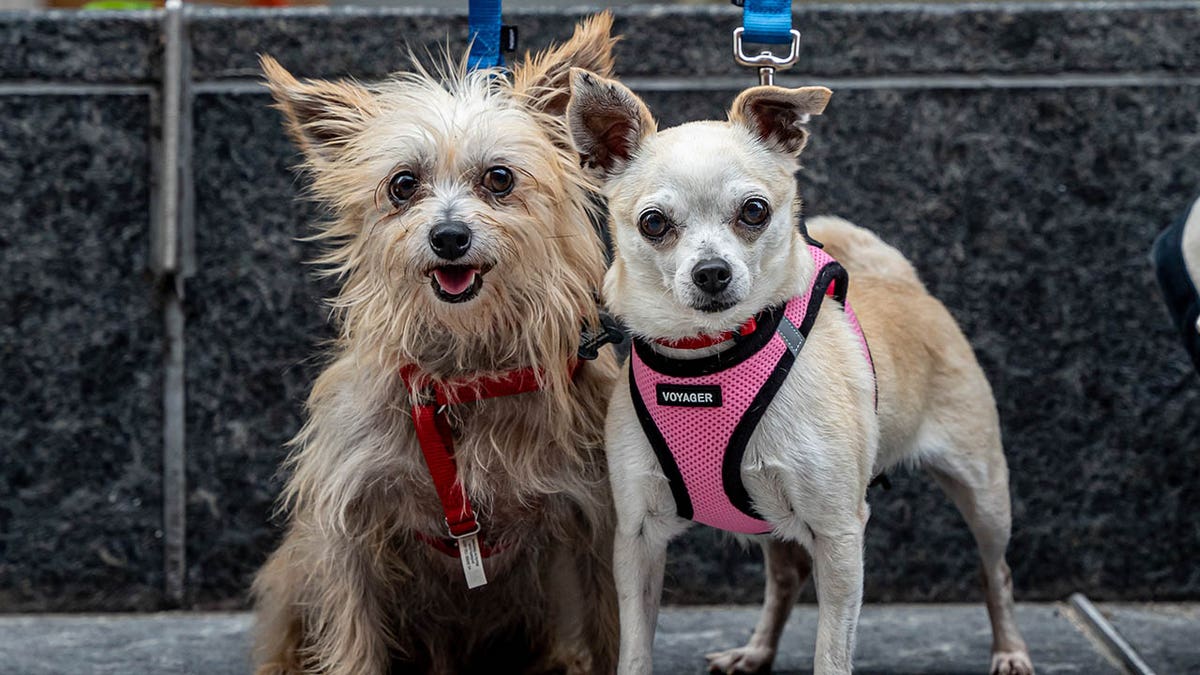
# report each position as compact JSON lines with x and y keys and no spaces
{"x":714,"y":306}
{"x":456,"y":283}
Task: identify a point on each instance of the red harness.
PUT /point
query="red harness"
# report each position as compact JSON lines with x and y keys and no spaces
{"x":430,"y":399}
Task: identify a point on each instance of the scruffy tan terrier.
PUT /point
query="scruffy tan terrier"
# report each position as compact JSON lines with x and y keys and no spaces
{"x":461,"y":236}
{"x":752,"y":402}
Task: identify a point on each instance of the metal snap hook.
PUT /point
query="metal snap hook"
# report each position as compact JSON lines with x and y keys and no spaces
{"x":766,"y":61}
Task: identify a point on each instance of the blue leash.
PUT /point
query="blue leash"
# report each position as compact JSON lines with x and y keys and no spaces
{"x":767,"y":22}
{"x":484,"y":31}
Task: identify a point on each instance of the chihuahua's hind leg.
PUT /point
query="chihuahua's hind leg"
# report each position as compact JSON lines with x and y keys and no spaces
{"x":978,"y":486}
{"x":787,"y":570}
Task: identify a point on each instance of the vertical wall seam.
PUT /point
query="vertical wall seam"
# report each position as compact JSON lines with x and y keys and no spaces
{"x":172,"y":260}
{"x":174,"y":448}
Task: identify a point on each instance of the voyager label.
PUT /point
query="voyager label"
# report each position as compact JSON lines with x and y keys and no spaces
{"x":690,"y":396}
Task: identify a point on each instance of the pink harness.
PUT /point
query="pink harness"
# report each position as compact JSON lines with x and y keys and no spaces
{"x":699,"y":414}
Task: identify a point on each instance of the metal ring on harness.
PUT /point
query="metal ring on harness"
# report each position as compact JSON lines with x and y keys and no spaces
{"x":478,"y":528}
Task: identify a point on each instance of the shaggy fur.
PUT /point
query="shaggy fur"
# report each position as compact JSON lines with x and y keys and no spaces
{"x":351,"y":591}
{"x":812,"y":455}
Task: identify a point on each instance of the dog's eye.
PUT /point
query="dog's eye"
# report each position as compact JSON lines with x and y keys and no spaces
{"x":499,"y":180}
{"x":653,"y":224}
{"x":755,"y":212}
{"x":402,"y":187}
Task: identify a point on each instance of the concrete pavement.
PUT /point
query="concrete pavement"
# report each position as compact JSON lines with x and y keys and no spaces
{"x":893,"y":639}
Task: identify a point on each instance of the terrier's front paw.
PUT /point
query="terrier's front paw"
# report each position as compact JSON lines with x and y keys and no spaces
{"x":741,"y":660}
{"x":568,"y":662}
{"x":1011,"y":663}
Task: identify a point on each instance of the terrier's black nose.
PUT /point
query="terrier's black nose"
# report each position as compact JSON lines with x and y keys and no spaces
{"x":450,"y":241}
{"x":712,"y":275}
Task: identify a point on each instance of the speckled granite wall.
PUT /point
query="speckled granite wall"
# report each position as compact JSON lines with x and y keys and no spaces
{"x":845,"y":40}
{"x":76,"y":47}
{"x":254,"y":332}
{"x":80,"y":429}
{"x":1022,"y":156}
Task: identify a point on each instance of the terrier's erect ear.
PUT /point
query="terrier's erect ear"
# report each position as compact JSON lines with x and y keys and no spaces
{"x":778,"y":115}
{"x":321,"y":115}
{"x":543,"y":80}
{"x":607,"y":121}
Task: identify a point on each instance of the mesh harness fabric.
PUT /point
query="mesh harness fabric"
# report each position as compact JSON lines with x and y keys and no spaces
{"x":699,"y":414}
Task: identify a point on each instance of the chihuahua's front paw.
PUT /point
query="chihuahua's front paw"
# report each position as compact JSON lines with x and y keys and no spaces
{"x":1011,"y":663}
{"x":741,"y":660}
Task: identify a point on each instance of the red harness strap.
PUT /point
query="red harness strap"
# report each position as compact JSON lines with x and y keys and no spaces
{"x":437,"y":445}
{"x":449,"y":547}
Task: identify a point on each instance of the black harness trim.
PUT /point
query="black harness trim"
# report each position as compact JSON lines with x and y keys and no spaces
{"x":683,"y":501}
{"x":744,"y":347}
{"x":731,"y":463}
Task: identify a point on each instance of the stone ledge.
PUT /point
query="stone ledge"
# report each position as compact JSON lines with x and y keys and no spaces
{"x":892,"y":639}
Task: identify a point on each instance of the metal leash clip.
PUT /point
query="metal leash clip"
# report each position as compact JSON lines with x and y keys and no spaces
{"x":766,"y":61}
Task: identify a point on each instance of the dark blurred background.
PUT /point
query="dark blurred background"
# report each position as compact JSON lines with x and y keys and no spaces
{"x":160,"y":327}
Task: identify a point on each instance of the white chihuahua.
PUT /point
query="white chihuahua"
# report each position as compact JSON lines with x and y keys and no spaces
{"x":745,"y":406}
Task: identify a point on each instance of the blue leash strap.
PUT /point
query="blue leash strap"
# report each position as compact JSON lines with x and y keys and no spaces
{"x":483,"y":29}
{"x":766,"y":22}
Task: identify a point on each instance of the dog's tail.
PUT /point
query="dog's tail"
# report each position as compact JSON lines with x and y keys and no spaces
{"x":860,"y":250}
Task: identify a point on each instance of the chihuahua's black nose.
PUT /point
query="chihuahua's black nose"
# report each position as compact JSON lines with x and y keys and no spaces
{"x":712,"y":275}
{"x":450,"y":240}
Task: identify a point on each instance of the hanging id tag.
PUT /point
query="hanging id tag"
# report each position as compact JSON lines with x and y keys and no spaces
{"x":472,"y":561}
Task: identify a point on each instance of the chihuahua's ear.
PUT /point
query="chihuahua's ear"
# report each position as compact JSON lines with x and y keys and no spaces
{"x":320,"y":115}
{"x":544,"y":80}
{"x":777,"y":115}
{"x":607,"y":121}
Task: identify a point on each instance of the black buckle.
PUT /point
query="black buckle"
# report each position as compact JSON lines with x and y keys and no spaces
{"x":608,"y":332}
{"x":508,"y":38}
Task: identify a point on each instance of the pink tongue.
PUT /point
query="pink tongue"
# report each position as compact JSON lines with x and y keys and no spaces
{"x":454,"y":280}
